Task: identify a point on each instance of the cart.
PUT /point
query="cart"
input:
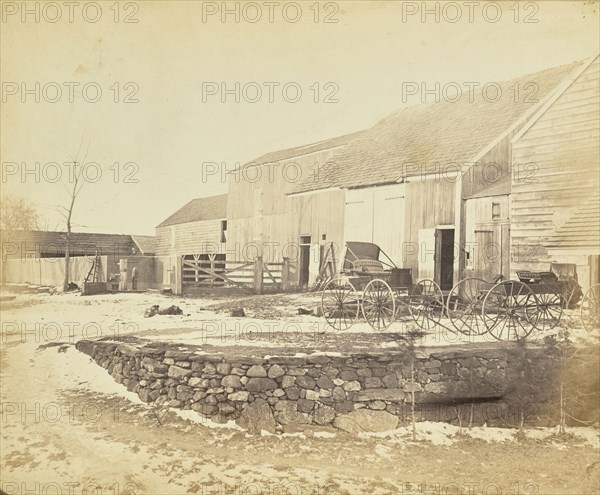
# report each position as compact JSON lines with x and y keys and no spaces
{"x":370,"y":284}
{"x":590,"y":309}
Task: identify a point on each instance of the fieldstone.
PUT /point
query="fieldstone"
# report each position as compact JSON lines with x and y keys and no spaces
{"x":343,"y":407}
{"x":352,"y":386}
{"x":348,"y":375}
{"x":412,"y":387}
{"x":390,"y":381}
{"x":238,"y":371}
{"x":366,"y":420}
{"x":318,"y":359}
{"x":325,"y":382}
{"x":154,"y":366}
{"x":199,"y":396}
{"x":183,"y":364}
{"x":183,"y":396}
{"x":226,"y":408}
{"x":323,"y":414}
{"x":209,"y":369}
{"x":275,"y":371}
{"x":339,"y":394}
{"x":338,"y":381}
{"x":287,"y":381}
{"x":305,"y":405}
{"x":205,"y":409}
{"x":373,"y":382}
{"x":279,"y":392}
{"x":143,"y":394}
{"x":240,"y":396}
{"x":223,"y":368}
{"x":325,"y":393}
{"x":244,"y":380}
{"x":178,"y":372}
{"x":377,"y":405}
{"x":436,"y":388}
{"x":175,"y":403}
{"x":198,"y":382}
{"x":256,"y":371}
{"x":391,"y":394}
{"x":287,"y":412}
{"x":306,"y":381}
{"x":293,"y":393}
{"x":231,"y":381}
{"x":312,"y":395}
{"x":260,"y":384}
{"x":432,"y":363}
{"x":365,"y":372}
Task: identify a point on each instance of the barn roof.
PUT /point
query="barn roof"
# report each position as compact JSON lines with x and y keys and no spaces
{"x":199,"y":209}
{"x":286,"y":154}
{"x":582,"y":230}
{"x":144,"y":243}
{"x":441,"y":132}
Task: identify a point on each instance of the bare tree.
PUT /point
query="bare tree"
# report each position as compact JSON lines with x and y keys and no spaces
{"x":77,"y":184}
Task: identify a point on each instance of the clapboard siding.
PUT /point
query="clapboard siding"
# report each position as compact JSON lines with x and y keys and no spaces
{"x":258,"y":208}
{"x":563,"y":145}
{"x":189,"y":238}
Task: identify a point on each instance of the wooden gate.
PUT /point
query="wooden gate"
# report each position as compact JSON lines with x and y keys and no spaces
{"x":204,"y":273}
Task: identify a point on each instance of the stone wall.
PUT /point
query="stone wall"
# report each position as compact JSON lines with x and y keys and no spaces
{"x":358,"y":392}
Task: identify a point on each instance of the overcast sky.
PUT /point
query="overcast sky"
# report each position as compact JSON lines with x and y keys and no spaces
{"x":162,"y":64}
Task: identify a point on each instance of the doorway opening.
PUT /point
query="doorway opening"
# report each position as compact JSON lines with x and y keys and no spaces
{"x":445,"y":258}
{"x":304,"y":268}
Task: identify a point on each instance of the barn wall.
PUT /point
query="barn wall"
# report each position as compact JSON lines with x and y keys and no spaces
{"x":316,"y":214}
{"x":189,"y":238}
{"x":429,"y":203}
{"x":258,"y":208}
{"x":487,"y":239}
{"x":377,"y":214}
{"x":562,"y":150}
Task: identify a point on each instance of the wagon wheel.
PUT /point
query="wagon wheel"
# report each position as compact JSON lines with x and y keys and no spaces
{"x":340,"y":304}
{"x":505,"y":310}
{"x":590,"y":309}
{"x":379,"y":304}
{"x":426,"y":304}
{"x":545,"y":308}
{"x":464,"y":306}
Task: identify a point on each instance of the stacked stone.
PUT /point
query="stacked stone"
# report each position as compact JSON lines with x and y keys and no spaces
{"x":295,"y":390}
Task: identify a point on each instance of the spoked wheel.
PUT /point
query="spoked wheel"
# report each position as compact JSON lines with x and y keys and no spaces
{"x":379,"y":304}
{"x":426,"y":304}
{"x":340,"y":304}
{"x":464,"y":306}
{"x":506,"y":313}
{"x":590,"y":309}
{"x":546,"y":310}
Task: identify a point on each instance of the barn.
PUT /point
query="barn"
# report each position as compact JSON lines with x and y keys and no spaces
{"x":37,"y":256}
{"x":555,"y":209}
{"x":424,"y":180}
{"x":263,"y":221}
{"x":194,"y":235}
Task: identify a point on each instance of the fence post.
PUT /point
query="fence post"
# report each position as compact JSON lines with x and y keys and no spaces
{"x":258,"y":275}
{"x":285,"y":274}
{"x":178,"y":275}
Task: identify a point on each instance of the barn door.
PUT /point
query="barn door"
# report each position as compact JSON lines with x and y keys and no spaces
{"x":427,"y":252}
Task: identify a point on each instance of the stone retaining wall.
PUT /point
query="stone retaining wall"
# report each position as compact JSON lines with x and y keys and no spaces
{"x":358,"y":392}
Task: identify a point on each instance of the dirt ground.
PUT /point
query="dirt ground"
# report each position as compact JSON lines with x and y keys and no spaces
{"x":68,"y":427}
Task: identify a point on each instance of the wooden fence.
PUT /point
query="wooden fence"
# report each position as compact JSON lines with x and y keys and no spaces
{"x":201,"y":274}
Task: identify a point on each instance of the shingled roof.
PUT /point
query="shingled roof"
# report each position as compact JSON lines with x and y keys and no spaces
{"x":198,"y":209}
{"x":286,"y":154}
{"x":437,"y":133}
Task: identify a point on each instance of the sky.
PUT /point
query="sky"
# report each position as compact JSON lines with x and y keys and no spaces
{"x":152,"y":94}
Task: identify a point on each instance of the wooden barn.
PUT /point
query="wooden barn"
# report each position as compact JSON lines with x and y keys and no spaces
{"x":263,"y":221}
{"x":37,"y":257}
{"x":417,"y":181}
{"x":555,"y":207}
{"x":195,"y":234}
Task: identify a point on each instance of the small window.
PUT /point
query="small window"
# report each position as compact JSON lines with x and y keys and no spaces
{"x":305,"y":239}
{"x":223,"y":231}
{"x":495,"y":211}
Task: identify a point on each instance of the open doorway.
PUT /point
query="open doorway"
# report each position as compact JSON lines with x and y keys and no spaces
{"x":444,"y":258}
{"x":304,"y":265}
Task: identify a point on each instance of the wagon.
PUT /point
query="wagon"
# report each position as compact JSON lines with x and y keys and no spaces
{"x":370,"y":284}
{"x":512,"y":309}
